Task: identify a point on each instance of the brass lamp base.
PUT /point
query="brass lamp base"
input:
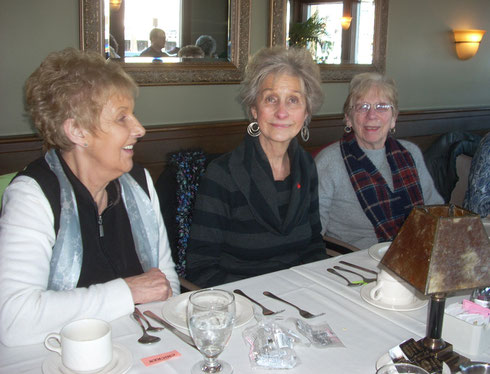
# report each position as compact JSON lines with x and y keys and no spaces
{"x":433,"y":344}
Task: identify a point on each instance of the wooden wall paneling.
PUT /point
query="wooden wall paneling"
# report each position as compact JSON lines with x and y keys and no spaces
{"x":421,"y":127}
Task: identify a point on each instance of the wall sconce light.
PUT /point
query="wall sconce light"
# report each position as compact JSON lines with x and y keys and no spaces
{"x":115,"y":4}
{"x":467,"y":42}
{"x":345,"y":22}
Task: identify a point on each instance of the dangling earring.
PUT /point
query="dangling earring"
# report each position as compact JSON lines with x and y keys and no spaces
{"x":305,"y":133}
{"x":392,"y":131}
{"x":347,"y":129}
{"x":253,"y":129}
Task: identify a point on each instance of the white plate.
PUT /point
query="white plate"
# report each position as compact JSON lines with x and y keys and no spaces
{"x":377,"y":251}
{"x":175,"y":310}
{"x":365,"y":294}
{"x":486,"y":225}
{"x":383,"y":360}
{"x":122,"y":360}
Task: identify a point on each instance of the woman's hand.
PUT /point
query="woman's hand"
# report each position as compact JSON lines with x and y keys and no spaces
{"x":150,"y":286}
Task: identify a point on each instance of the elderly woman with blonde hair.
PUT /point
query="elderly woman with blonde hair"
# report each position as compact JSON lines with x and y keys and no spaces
{"x":257,"y":207}
{"x":81,"y":234}
{"x":369,"y":181}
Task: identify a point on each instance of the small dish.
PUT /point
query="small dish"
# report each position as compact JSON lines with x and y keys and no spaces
{"x":486,"y":225}
{"x":365,"y":294}
{"x":383,"y":360}
{"x":377,"y":251}
{"x":175,"y":311}
{"x":122,"y":360}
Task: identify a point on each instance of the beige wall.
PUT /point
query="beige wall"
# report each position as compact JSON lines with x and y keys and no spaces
{"x":420,"y":56}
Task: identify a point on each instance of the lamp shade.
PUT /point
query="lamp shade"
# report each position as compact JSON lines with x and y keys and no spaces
{"x":345,"y":22}
{"x":441,"y":249}
{"x":467,"y":42}
{"x":115,"y":4}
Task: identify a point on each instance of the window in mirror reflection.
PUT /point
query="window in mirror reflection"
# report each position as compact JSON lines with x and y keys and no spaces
{"x":336,"y":45}
{"x":150,"y":30}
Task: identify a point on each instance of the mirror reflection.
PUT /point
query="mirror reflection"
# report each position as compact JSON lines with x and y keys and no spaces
{"x":342,"y":49}
{"x":334,"y":31}
{"x":144,"y":31}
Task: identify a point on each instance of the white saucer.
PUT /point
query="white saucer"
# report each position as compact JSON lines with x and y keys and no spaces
{"x":486,"y":225}
{"x":175,"y":311}
{"x":122,"y":360}
{"x":377,"y":251}
{"x":383,"y":360}
{"x":365,"y":294}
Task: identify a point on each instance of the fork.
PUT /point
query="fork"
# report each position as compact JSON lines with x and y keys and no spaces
{"x":303,"y":313}
{"x":150,"y":327}
{"x":265,"y":311}
{"x":349,"y":283}
{"x":364,"y":279}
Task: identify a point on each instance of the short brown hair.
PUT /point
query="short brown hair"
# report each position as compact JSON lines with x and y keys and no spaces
{"x":73,"y":84}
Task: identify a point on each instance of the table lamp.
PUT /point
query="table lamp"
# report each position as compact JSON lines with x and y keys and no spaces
{"x":440,"y":249}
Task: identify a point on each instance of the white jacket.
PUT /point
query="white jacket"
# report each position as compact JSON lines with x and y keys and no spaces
{"x":28,"y":311}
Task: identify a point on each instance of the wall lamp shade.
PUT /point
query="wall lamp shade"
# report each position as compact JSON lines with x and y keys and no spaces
{"x":438,"y":250}
{"x":115,"y":4}
{"x":345,"y":22}
{"x":467,"y":42}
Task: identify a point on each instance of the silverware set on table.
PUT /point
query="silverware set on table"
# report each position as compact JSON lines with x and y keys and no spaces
{"x":148,"y":339}
{"x":350,"y":283}
{"x":267,"y":312}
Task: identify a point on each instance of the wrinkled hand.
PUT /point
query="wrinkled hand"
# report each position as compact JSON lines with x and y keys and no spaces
{"x":150,"y":286}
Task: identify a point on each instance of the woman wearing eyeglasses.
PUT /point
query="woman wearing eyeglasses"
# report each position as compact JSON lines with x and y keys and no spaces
{"x":369,"y":181}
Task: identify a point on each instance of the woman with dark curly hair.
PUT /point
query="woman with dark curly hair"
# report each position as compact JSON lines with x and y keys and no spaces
{"x":81,"y":234}
{"x":257,"y":207}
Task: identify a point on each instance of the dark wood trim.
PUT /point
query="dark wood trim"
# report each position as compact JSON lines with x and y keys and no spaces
{"x":421,"y":126}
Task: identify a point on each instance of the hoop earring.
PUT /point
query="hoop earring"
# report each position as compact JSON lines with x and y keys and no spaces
{"x":305,"y":133}
{"x":253,"y":129}
{"x":347,"y":129}
{"x":392,"y":131}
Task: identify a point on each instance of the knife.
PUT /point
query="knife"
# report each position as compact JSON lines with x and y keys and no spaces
{"x":184,"y":337}
{"x":358,"y":267}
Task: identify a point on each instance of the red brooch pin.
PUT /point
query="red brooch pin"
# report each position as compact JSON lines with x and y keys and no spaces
{"x":298,"y":186}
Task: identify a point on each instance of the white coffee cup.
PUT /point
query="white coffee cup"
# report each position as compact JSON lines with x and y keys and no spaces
{"x":391,"y":289}
{"x":84,"y":345}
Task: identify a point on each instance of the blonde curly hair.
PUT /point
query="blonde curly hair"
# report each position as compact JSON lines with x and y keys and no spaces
{"x":72,"y":84}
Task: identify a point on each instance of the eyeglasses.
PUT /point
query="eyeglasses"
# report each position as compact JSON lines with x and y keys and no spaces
{"x":378,"y":107}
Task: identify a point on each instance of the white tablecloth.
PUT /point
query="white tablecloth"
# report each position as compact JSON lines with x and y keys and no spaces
{"x":366,"y":331}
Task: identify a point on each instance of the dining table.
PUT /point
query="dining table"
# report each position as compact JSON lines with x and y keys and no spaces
{"x":366,"y":331}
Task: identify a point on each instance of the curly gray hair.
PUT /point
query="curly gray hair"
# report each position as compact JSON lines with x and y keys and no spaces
{"x":278,"y":60}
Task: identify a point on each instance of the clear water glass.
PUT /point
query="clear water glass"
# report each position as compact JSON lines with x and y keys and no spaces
{"x":210,"y":317}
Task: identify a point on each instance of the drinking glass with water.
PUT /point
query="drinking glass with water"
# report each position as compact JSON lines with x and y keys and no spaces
{"x":210,"y":317}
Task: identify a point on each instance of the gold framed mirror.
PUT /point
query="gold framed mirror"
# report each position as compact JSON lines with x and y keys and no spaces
{"x":343,"y":71}
{"x":179,"y":71}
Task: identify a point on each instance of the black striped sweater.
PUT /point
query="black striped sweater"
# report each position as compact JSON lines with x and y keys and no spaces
{"x":246,"y":224}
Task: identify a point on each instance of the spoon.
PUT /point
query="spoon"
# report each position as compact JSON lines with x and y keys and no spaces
{"x":145,"y":339}
{"x":349,"y":283}
{"x":150,"y":327}
{"x":265,"y":311}
{"x":364,"y":279}
{"x":303,"y":313}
